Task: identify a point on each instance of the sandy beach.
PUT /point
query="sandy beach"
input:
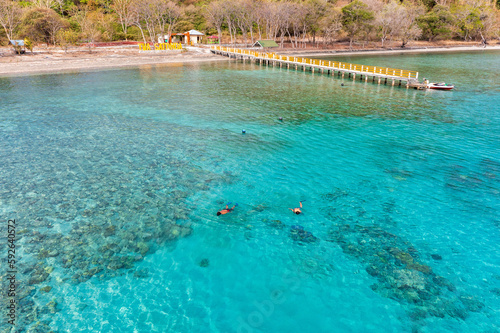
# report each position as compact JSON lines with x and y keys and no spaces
{"x":44,"y":61}
{"x":58,"y":61}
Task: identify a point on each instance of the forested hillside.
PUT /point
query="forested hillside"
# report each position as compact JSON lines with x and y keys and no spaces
{"x":64,"y":22}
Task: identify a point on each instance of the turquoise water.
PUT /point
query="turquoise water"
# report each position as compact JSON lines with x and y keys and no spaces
{"x":115,"y":178}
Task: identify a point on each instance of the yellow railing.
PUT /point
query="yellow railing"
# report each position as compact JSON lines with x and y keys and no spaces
{"x":318,"y":62}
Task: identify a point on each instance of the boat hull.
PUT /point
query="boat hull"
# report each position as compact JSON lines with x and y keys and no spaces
{"x":440,"y":86}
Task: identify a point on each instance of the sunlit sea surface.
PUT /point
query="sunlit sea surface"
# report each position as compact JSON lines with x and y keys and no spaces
{"x":114,"y":179}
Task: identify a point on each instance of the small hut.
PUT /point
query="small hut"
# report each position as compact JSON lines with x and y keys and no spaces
{"x":189,"y":37}
{"x":18,"y":45}
{"x":264,"y":44}
{"x":194,"y":36}
{"x":213,"y":39}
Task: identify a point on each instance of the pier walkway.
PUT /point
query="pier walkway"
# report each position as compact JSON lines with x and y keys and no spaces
{"x":375,"y":73}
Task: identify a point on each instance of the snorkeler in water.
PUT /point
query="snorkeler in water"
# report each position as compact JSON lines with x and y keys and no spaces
{"x":227,"y":209}
{"x":297,"y":210}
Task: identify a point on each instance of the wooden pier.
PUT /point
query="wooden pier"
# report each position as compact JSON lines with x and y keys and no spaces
{"x":373,"y":73}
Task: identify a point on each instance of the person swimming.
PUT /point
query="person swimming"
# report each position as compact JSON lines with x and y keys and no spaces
{"x":226,"y":210}
{"x":297,"y":210}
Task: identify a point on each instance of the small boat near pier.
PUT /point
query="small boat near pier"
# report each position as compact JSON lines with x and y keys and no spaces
{"x":440,"y":86}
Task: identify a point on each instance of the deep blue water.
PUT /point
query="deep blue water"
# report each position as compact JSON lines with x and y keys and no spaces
{"x":105,"y":171}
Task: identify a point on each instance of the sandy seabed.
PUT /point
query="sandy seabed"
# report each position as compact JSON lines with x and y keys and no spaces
{"x":80,"y":59}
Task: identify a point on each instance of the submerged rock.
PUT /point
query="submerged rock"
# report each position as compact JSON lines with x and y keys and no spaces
{"x":46,"y":289}
{"x":274,"y":223}
{"x":53,"y":306}
{"x":204,"y":262}
{"x":25,"y":292}
{"x":471,"y":304}
{"x":38,"y":277}
{"x":143,"y":248}
{"x":141,"y":273}
{"x":109,"y":231}
{"x":297,"y":233}
{"x":101,"y":204}
{"x":401,"y":275}
{"x":39,"y":327}
{"x":418,"y":314}
{"x":43,"y":254}
{"x":410,"y":279}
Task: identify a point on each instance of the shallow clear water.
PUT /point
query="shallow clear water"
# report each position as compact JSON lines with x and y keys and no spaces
{"x":105,"y":171}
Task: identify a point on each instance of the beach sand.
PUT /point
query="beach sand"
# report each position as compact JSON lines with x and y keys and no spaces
{"x":77,"y":60}
{"x":55,"y":60}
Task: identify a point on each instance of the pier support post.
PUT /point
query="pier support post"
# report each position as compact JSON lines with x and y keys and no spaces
{"x":366,"y":78}
{"x":379,"y":80}
{"x":385,"y":82}
{"x":393,"y":82}
{"x":312,"y":70}
{"x":342,"y":74}
{"x":353,"y":76}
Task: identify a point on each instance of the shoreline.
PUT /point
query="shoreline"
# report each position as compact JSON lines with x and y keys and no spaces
{"x":394,"y":51}
{"x":59,"y":62}
{"x":113,"y":58}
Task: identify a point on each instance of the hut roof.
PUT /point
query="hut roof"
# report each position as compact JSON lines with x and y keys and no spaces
{"x":195,"y":33}
{"x":17,"y":42}
{"x":265,"y":43}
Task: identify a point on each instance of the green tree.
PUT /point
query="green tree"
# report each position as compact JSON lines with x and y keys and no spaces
{"x":41,"y":25}
{"x":67,"y":37}
{"x":29,"y":44}
{"x":467,"y":20}
{"x":356,"y":19}
{"x":475,"y":19}
{"x":317,"y":10}
{"x":437,"y":23}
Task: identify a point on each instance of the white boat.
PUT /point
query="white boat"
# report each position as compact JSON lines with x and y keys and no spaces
{"x":440,"y":86}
